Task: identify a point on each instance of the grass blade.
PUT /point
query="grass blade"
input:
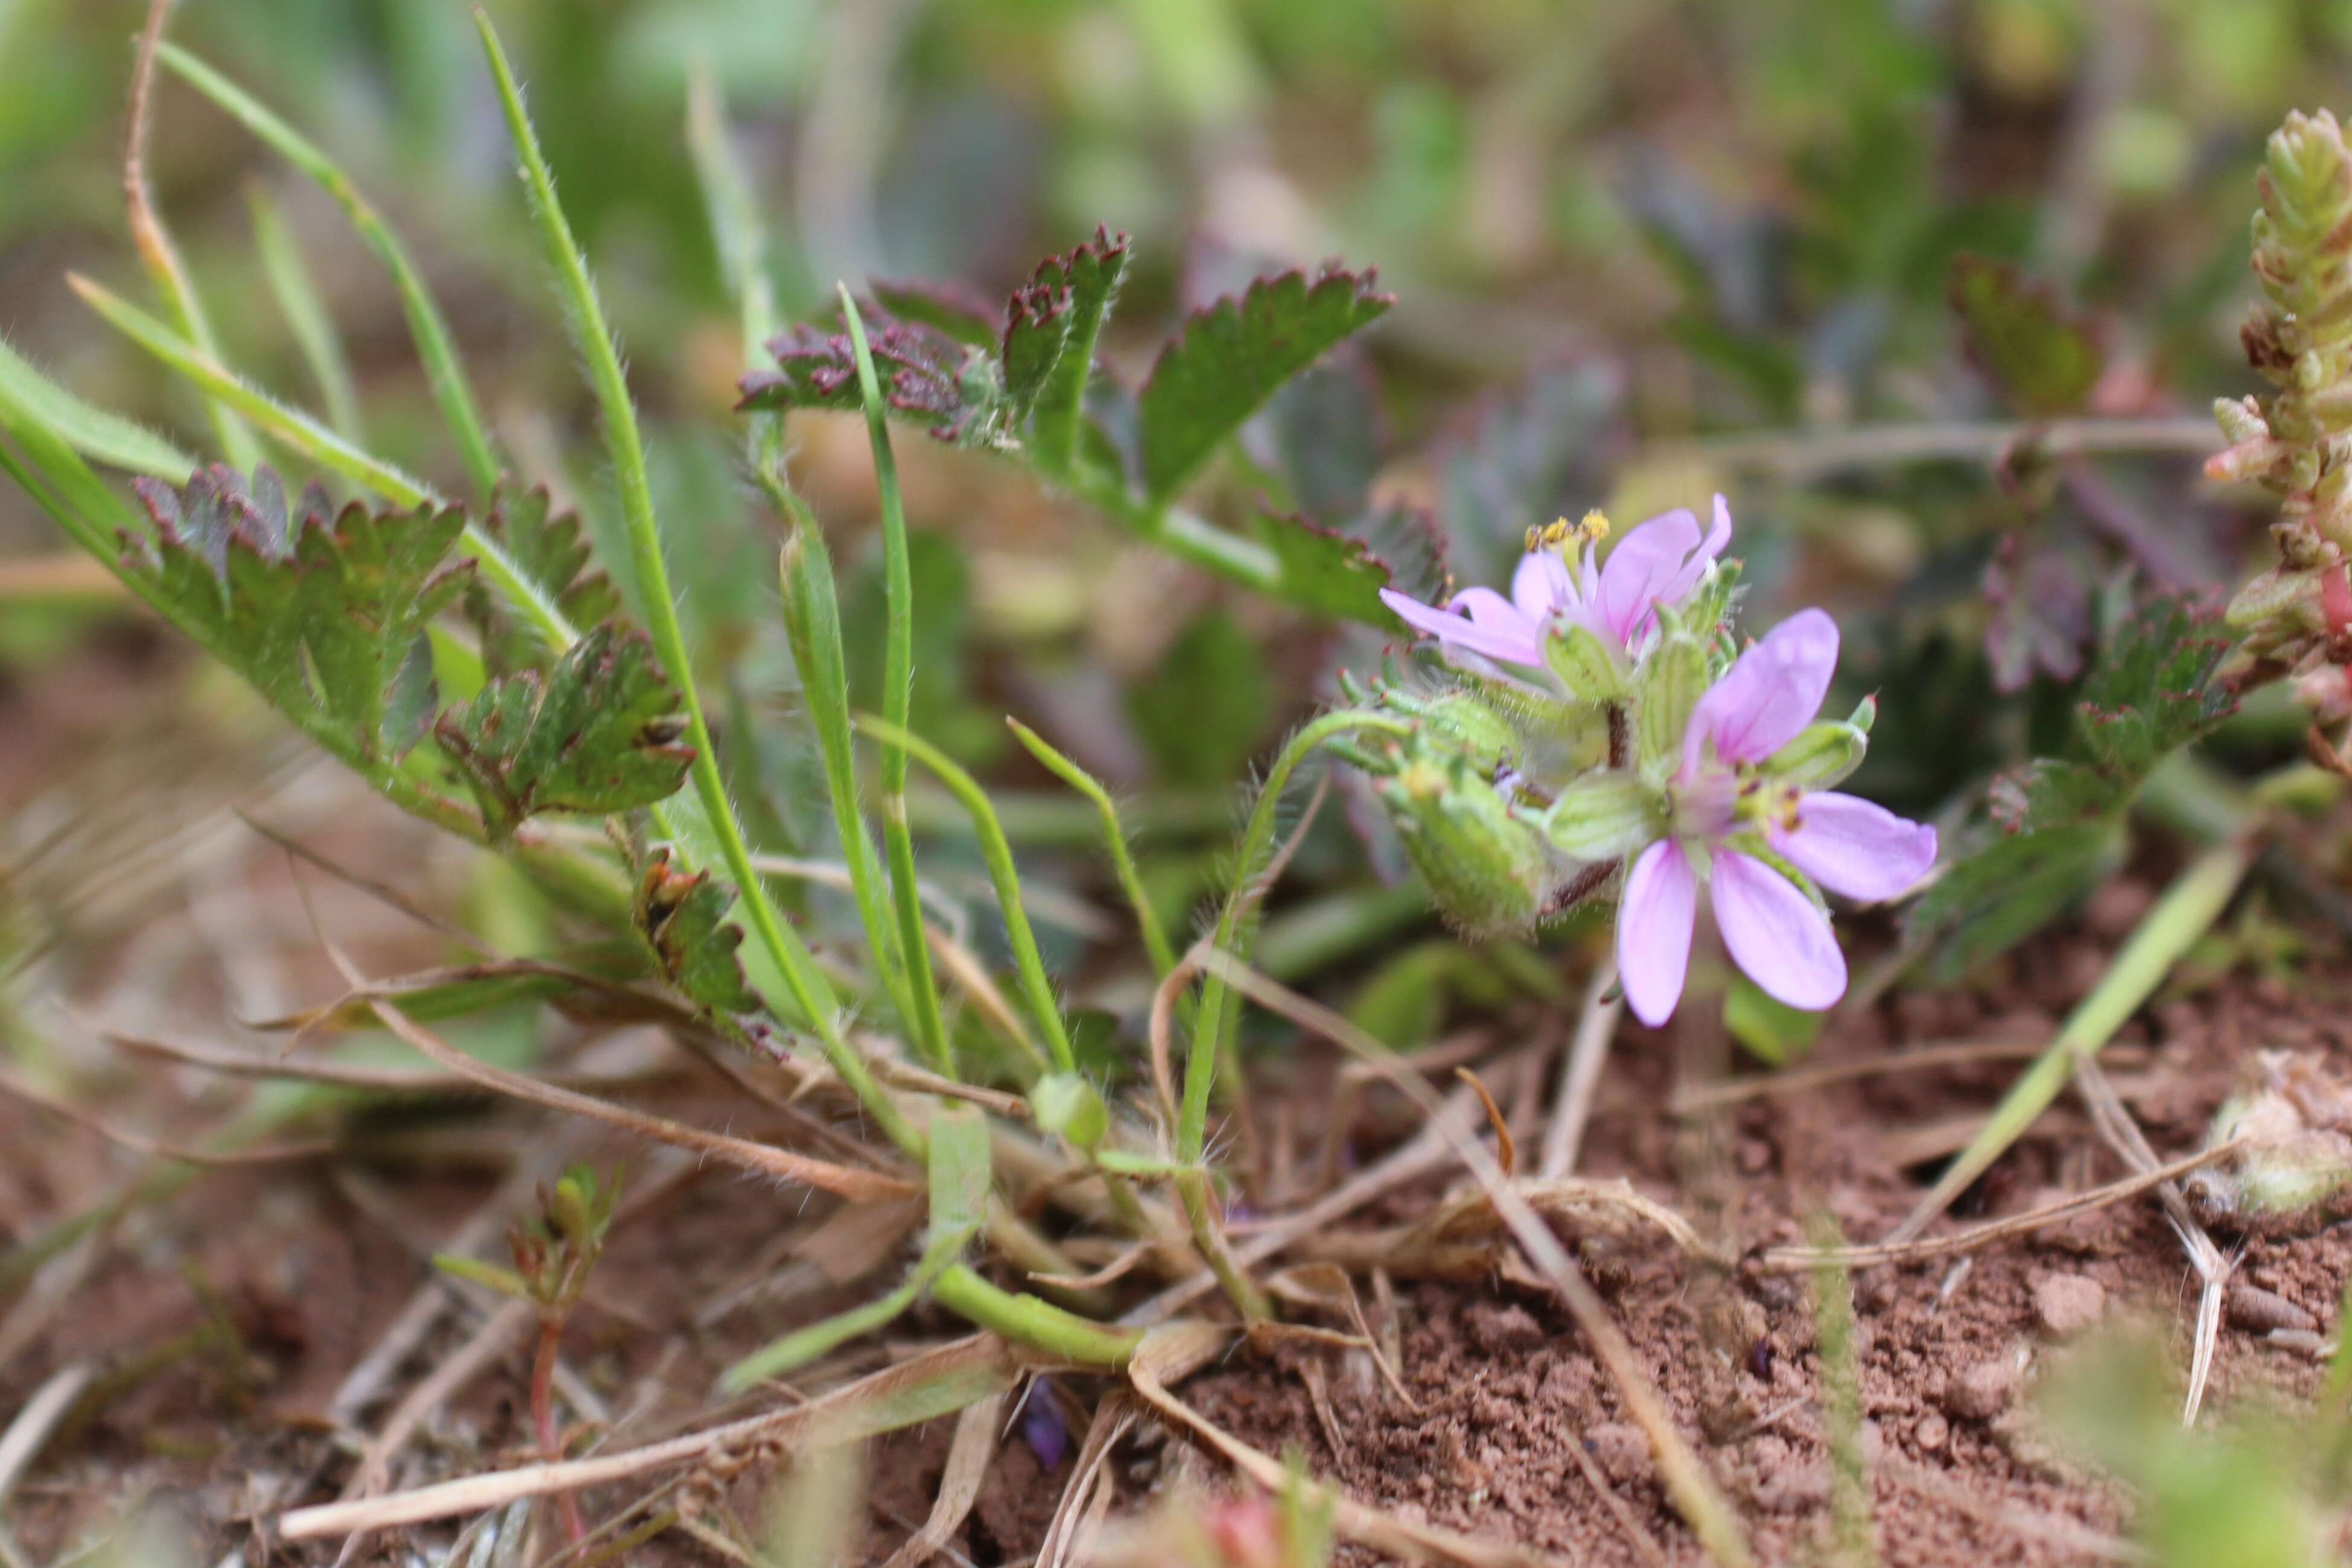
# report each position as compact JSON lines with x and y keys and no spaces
{"x":306,"y":315}
{"x":811,"y":991}
{"x":92,"y":431}
{"x":813,"y":627}
{"x":444,"y":373}
{"x":156,"y":250}
{"x":1006,"y":878}
{"x":898,"y":702}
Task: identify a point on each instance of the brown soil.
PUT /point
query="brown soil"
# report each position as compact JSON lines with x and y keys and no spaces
{"x":221,"y":1324}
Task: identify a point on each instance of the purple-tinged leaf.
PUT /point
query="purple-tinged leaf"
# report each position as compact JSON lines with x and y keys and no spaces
{"x":1052,"y":325}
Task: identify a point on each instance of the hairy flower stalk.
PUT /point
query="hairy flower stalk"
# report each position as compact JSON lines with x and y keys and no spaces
{"x":1598,"y":735}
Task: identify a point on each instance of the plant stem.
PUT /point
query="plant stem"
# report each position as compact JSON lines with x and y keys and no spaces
{"x":1030,"y":1321}
{"x":1812,"y":453}
{"x":1131,"y":882}
{"x":1201,"y":1055}
{"x":897,"y":704}
{"x":543,"y":1416}
{"x":810,"y":989}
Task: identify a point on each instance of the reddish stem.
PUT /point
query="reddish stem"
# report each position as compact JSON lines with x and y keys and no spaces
{"x":542,"y":1417}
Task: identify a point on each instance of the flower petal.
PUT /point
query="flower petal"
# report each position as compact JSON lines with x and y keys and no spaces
{"x":1654,"y":919}
{"x":1775,"y":933}
{"x":1854,"y":846}
{"x":1539,"y":586}
{"x":1771,"y":693}
{"x":1505,"y":636}
{"x":1687,"y":579}
{"x":1641,"y":569}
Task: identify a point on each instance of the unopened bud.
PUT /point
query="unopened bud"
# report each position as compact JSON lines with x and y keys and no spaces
{"x":1486,"y":868}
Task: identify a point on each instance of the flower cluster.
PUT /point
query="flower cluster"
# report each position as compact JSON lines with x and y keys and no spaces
{"x":1599,"y":733}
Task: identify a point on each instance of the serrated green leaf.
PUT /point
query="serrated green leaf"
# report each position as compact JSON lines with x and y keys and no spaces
{"x":2151,"y":692}
{"x":682,"y":917}
{"x":598,"y":732}
{"x":551,"y":550}
{"x":1051,"y":328}
{"x":2043,"y":359}
{"x":1326,"y":571}
{"x":1989,"y":901}
{"x":324,"y":615}
{"x":1226,"y":360}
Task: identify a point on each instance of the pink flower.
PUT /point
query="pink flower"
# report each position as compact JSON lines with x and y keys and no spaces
{"x":1658,"y":562}
{"x":1729,"y":812}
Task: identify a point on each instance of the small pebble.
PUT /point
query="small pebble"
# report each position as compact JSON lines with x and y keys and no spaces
{"x":1622,"y":1453}
{"x":2258,"y":1310}
{"x":2068,"y":1303}
{"x":1930,"y":1434}
{"x":1983,"y":1391}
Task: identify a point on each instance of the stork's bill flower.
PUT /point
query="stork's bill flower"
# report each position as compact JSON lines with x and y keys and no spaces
{"x":1745,"y":822}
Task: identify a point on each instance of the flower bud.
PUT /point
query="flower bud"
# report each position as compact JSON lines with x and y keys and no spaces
{"x":1604,"y":817}
{"x":1486,"y":869}
{"x":1067,"y":1105}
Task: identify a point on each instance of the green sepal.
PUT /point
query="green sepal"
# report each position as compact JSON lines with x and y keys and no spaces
{"x":1821,"y":756}
{"x":1586,"y":666}
{"x":1604,"y":817}
{"x":1673,"y":679}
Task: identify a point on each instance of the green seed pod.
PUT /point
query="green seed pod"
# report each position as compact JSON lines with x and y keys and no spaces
{"x":1604,"y":816}
{"x":1486,"y":869}
{"x":1468,"y":725}
{"x":1067,"y":1105}
{"x":571,"y":1208}
{"x":1820,"y":757}
{"x":1584,"y":665}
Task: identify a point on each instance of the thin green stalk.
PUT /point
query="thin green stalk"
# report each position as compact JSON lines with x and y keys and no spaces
{"x":1147,"y":919}
{"x":1201,"y":1055}
{"x":593,"y":338}
{"x":1187,"y":537}
{"x":305,"y":436}
{"x":1027,"y":1320}
{"x":444,"y":373}
{"x":156,"y":250}
{"x":897,"y":705}
{"x":1257,"y":841}
{"x":813,"y":627}
{"x":2186,"y":911}
{"x":306,"y":314}
{"x":741,"y":241}
{"x":1001,"y":874}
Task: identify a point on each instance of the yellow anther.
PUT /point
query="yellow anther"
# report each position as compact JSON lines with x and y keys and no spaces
{"x":1563,"y":536}
{"x":1594,"y":527}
